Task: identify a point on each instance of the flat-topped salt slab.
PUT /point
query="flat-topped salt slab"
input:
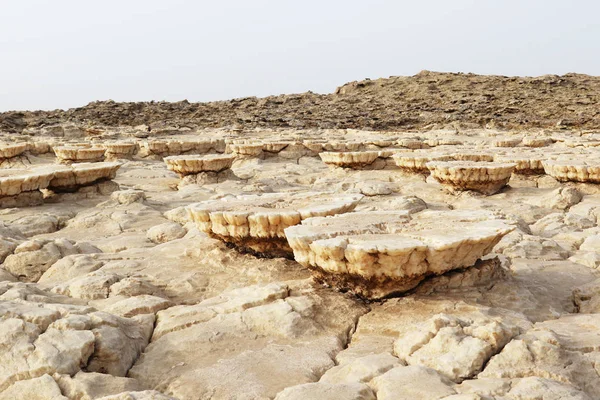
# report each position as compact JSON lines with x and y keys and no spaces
{"x":417,"y":161}
{"x":245,"y":149}
{"x":256,"y":223}
{"x":574,"y":170}
{"x":69,"y":154}
{"x":471,"y":155}
{"x":118,"y":150}
{"x":507,"y":142}
{"x":532,"y":141}
{"x":483,"y":177}
{"x":525,"y":163}
{"x":411,"y":143}
{"x":434,"y":142}
{"x":353,"y":159}
{"x":195,"y":164}
{"x":12,"y":150}
{"x":164,"y":147}
{"x":375,"y":254}
{"x":318,"y":146}
{"x":73,"y":176}
{"x":16,"y":181}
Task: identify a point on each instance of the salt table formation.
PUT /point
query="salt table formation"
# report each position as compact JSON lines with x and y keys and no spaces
{"x":12,"y":155}
{"x":246,"y":150}
{"x":75,"y":176}
{"x":20,"y":188}
{"x":120,"y":150}
{"x":525,"y":163}
{"x":164,"y":148}
{"x":257,"y":223}
{"x":375,"y":254}
{"x":417,"y":161}
{"x":355,"y":159}
{"x":193,"y":164}
{"x":573,"y":170}
{"x":74,"y":154}
{"x":484,"y":177}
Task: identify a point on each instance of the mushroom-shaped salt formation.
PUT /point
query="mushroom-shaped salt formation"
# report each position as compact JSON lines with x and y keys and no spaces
{"x":71,"y":154}
{"x":417,"y":161}
{"x":526,"y":163}
{"x":256,"y":223}
{"x":195,"y":164}
{"x":586,"y":171}
{"x":483,"y":177}
{"x":120,"y":150}
{"x":530,"y":141}
{"x":72,"y":177}
{"x":379,"y":253}
{"x":351,"y":159}
{"x":22,"y":187}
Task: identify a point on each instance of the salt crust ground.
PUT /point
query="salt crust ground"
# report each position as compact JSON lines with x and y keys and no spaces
{"x":121,"y":296}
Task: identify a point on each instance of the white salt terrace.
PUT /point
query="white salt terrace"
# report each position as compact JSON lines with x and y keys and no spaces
{"x":375,"y":254}
{"x":256,"y":223}
{"x":195,"y":164}
{"x":485,"y":177}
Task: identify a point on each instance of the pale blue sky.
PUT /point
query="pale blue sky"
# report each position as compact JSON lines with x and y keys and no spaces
{"x":66,"y":53}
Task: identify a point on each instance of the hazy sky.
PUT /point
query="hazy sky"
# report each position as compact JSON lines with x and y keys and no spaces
{"x":66,"y":53}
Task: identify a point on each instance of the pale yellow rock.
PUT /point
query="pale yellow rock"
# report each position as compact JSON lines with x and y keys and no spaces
{"x":411,"y":383}
{"x":327,"y":391}
{"x":484,"y":177}
{"x":42,"y":388}
{"x":574,"y":170}
{"x":194,"y":164}
{"x":139,"y":395}
{"x":362,"y":369}
{"x":539,"y":353}
{"x":456,"y":348}
{"x":32,"y":258}
{"x":375,"y":254}
{"x":70,"y":154}
{"x":258,"y":222}
{"x":93,"y":385}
